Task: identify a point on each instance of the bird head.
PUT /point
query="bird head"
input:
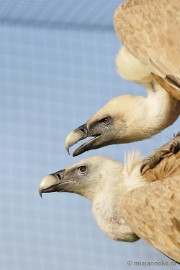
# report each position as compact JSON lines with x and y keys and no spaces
{"x":117,"y":122}
{"x":87,"y":177}
{"x":101,"y":180}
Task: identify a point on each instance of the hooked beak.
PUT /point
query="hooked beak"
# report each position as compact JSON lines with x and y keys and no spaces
{"x":79,"y":134}
{"x":51,"y":183}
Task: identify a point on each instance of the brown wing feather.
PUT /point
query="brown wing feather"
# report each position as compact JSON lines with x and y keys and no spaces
{"x":153,"y":213}
{"x":150,"y":30}
{"x":168,"y":167}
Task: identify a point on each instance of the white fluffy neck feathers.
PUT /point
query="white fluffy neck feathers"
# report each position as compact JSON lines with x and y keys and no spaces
{"x":105,"y":208}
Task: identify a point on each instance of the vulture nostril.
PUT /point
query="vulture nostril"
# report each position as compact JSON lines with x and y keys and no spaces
{"x":58,"y":176}
{"x":82,"y":128}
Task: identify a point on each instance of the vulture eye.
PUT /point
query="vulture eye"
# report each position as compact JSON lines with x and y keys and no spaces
{"x":105,"y":121}
{"x":82,"y":169}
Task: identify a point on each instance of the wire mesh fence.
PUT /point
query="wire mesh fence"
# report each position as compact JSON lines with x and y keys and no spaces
{"x":56,"y":70}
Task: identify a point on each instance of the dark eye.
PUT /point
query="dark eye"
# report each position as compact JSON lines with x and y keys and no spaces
{"x":82,"y":169}
{"x":105,"y":121}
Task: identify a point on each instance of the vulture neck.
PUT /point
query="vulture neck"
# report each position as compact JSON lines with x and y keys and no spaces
{"x":106,"y":208}
{"x":154,"y":113}
{"x":164,"y":108}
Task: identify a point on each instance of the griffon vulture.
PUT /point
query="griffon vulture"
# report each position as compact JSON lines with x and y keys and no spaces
{"x":150,"y":33}
{"x":126,"y":204}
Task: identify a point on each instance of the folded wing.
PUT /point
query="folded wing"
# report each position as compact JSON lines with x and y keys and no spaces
{"x":150,"y":30}
{"x":153,"y":213}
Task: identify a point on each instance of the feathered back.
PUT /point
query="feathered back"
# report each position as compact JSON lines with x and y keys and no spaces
{"x":150,"y":30}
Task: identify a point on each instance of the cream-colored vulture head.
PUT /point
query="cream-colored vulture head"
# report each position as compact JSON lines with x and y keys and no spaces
{"x":125,"y":204}
{"x":94,"y":178}
{"x":125,"y":119}
{"x":150,"y":33}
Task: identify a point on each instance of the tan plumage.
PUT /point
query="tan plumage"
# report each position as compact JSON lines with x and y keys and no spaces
{"x":153,"y":213}
{"x":150,"y":30}
{"x":126,"y":204}
{"x":153,"y":210}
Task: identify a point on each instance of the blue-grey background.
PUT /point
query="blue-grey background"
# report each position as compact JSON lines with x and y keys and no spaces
{"x":56,"y":70}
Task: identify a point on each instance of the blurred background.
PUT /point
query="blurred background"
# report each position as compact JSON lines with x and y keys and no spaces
{"x":56,"y":70}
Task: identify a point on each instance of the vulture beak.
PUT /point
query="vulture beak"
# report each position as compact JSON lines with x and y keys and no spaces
{"x":79,"y":134}
{"x":51,"y":183}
